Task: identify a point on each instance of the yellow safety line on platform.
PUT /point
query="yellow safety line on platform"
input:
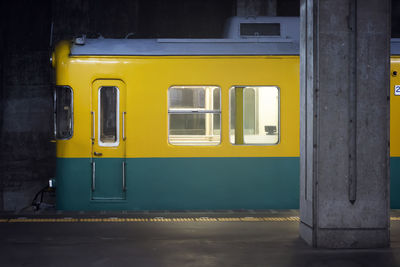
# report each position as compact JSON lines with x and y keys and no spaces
{"x":162,"y":219}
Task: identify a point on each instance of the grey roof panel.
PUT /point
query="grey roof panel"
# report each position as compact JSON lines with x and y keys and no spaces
{"x":179,"y":47}
{"x":395,"y":46}
{"x":165,"y":47}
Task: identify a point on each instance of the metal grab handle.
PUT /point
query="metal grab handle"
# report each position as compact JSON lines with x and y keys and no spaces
{"x":123,"y":125}
{"x":98,"y":153}
{"x":93,"y":176}
{"x":93,"y":125}
{"x":123,"y":177}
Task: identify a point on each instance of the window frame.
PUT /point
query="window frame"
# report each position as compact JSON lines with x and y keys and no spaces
{"x":195,"y":111}
{"x":100,"y":143}
{"x":279,"y":115}
{"x":55,"y":111}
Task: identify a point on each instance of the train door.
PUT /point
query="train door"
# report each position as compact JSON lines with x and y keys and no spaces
{"x":108,"y":139}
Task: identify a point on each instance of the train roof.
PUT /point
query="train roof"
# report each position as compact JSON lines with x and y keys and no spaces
{"x":179,"y":47}
{"x":242,"y":36}
{"x":395,"y":46}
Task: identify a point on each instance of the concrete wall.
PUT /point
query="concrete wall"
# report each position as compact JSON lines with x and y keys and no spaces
{"x":26,"y":155}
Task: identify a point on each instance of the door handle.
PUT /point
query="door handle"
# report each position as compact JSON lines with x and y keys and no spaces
{"x":123,"y":126}
{"x":98,"y":153}
{"x":93,"y":176}
{"x":123,"y":177}
{"x":93,"y":125}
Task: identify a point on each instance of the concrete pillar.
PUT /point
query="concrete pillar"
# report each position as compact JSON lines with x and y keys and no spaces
{"x":248,"y":8}
{"x":3,"y":22}
{"x":344,"y":124}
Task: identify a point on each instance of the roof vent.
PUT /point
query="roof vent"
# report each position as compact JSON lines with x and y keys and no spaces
{"x":270,"y":29}
{"x":260,"y":29}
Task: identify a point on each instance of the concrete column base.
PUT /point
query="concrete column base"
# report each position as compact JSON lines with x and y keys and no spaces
{"x":344,"y":238}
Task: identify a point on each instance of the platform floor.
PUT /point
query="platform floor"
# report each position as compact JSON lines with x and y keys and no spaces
{"x":224,"y":238}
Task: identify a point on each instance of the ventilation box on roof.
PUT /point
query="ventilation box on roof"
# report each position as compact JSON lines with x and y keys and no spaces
{"x":262,"y":27}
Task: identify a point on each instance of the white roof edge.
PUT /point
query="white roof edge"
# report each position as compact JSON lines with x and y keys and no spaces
{"x":230,"y":40}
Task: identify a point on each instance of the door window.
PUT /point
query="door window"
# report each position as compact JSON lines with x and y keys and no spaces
{"x":108,"y":119}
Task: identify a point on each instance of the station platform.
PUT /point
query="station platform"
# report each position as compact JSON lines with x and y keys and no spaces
{"x":165,"y":238}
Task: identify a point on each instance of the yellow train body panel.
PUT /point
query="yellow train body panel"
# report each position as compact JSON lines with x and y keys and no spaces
{"x":394,"y":108}
{"x":147,"y":80}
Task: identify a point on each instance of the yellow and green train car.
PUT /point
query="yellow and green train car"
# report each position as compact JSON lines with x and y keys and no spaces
{"x":395,"y":125}
{"x":185,"y":124}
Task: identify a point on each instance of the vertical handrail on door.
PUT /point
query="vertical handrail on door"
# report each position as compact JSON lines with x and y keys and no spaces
{"x":93,"y":176}
{"x":93,"y":163}
{"x":123,"y":177}
{"x":93,"y":125}
{"x":123,"y":126}
{"x":123,"y":162}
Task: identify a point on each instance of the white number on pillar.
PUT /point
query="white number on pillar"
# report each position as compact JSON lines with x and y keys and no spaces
{"x":397,"y":90}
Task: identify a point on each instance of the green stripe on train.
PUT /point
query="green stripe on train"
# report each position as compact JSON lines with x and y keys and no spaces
{"x":183,"y":184}
{"x":395,"y":182}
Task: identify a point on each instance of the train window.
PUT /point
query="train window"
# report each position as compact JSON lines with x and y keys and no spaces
{"x":194,"y":114}
{"x":254,"y":115}
{"x":63,"y":112}
{"x":108,"y":119}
